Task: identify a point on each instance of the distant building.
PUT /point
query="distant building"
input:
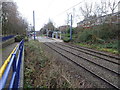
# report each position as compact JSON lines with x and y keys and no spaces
{"x":37,"y":33}
{"x":63,"y":28}
{"x":90,"y":22}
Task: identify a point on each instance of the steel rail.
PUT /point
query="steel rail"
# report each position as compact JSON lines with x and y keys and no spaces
{"x":89,"y":60}
{"x":102,"y":53}
{"x":89,"y":53}
{"x":111,"y":84}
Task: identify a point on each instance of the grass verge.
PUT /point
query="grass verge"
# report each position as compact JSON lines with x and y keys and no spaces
{"x":39,"y":71}
{"x":108,"y":47}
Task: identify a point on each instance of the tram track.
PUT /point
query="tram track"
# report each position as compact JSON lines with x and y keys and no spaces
{"x":98,"y":52}
{"x":114,"y":71}
{"x":57,"y":49}
{"x":104,"y":56}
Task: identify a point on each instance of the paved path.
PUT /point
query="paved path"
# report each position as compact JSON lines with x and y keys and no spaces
{"x":6,"y":52}
{"x":47,"y":39}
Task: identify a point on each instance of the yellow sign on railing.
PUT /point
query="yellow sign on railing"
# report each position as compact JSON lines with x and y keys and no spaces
{"x":2,"y":69}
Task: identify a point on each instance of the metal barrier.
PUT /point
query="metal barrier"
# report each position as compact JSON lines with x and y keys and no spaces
{"x":7,"y":37}
{"x":13,"y":62}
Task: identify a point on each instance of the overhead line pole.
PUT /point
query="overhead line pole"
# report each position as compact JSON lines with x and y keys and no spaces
{"x":71,"y":29}
{"x":34,"y":24}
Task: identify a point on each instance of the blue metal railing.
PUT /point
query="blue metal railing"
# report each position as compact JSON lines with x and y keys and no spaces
{"x":15,"y":63}
{"x":7,"y":37}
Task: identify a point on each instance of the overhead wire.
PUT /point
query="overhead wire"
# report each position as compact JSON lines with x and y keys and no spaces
{"x":66,"y":9}
{"x":69,"y":8}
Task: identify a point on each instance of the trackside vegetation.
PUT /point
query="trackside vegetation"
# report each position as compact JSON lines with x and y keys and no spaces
{"x":103,"y":37}
{"x":38,"y":69}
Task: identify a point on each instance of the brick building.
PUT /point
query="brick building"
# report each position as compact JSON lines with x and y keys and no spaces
{"x":93,"y":21}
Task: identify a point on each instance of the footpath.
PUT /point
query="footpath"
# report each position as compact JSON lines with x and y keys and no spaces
{"x":6,"y":52}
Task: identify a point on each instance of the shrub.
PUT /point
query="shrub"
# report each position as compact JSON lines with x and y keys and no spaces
{"x":85,"y":36}
{"x":66,"y":39}
{"x":18,"y":38}
{"x":26,"y":38}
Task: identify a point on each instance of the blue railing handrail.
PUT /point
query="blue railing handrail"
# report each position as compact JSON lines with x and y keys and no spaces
{"x":15,"y":63}
{"x":7,"y":37}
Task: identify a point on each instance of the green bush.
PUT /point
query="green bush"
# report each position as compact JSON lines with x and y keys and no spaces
{"x":73,"y":30}
{"x":18,"y":38}
{"x":102,"y":32}
{"x":85,"y":36}
{"x":26,"y":38}
{"x":66,"y":39}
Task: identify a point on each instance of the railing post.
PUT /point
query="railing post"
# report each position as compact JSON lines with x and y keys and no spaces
{"x":14,"y":63}
{"x":14,"y":72}
{"x":18,"y":64}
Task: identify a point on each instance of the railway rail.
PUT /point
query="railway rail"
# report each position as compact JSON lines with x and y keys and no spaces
{"x":99,"y":64}
{"x":102,"y":55}
{"x":105,"y":73}
{"x":98,"y":52}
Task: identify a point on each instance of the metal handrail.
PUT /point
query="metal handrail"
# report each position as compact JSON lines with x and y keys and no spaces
{"x":2,"y":69}
{"x":15,"y":63}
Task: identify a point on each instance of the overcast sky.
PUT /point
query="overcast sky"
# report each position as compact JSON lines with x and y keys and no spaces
{"x":50,"y":9}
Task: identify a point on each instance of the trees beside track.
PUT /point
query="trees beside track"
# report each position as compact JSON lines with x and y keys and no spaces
{"x":12,"y":22}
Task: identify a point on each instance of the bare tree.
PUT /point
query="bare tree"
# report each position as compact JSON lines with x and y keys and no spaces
{"x":12,"y":22}
{"x":49,"y":25}
{"x":67,"y":19}
{"x":104,"y":9}
{"x":112,"y":5}
{"x":100,"y":9}
{"x":96,"y":10}
{"x":86,"y":10}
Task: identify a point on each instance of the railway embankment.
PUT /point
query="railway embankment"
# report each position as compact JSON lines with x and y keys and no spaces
{"x":40,"y":70}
